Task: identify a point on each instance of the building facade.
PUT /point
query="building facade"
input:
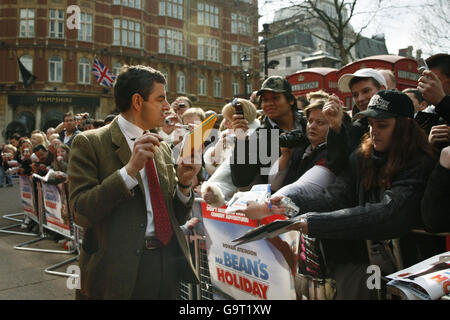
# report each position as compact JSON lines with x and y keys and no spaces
{"x":196,"y":44}
{"x":296,"y":39}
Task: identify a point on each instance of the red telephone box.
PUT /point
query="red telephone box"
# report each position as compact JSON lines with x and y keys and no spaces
{"x":404,"y":69}
{"x":313,"y":79}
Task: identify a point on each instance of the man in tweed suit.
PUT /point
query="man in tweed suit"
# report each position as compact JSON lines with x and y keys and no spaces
{"x":122,"y":256}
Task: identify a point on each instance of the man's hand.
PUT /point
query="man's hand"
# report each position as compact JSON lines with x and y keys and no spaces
{"x":333,"y":112}
{"x":209,"y":196}
{"x":187,"y":170}
{"x":431,"y":87}
{"x":445,"y":157}
{"x":143,"y":151}
{"x":438,"y":134}
{"x":239,"y":126}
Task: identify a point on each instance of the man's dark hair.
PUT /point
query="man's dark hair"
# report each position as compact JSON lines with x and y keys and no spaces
{"x":440,"y":61}
{"x":109,"y":118}
{"x":15,"y":136}
{"x":97,"y":123}
{"x":135,"y":79}
{"x":355,"y":80}
{"x":68,"y":114}
{"x":39,"y":147}
{"x":289,"y":97}
{"x":417,"y":94}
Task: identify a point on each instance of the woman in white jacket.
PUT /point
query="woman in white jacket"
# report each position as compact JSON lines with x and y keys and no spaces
{"x":220,"y":188}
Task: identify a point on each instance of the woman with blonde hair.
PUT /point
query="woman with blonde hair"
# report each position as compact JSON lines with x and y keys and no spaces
{"x":220,"y":187}
{"x":37,"y":138}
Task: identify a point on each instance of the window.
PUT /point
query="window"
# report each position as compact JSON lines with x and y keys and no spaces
{"x":166,"y":75}
{"x":171,"y":8}
{"x":55,"y":69}
{"x":116,"y":68}
{"x":235,"y":88}
{"x":129,"y":3}
{"x":56,"y":24}
{"x":84,"y":71}
{"x":217,"y":88}
{"x":237,"y":52}
{"x":26,"y":23}
{"x":181,"y":82}
{"x":207,"y":15}
{"x":240,"y":24}
{"x":170,"y":42}
{"x":27,"y":62}
{"x":249,"y":87}
{"x":85,"y":32}
{"x":288,"y":62}
{"x":127,"y":33}
{"x":201,"y":85}
{"x":208,"y":49}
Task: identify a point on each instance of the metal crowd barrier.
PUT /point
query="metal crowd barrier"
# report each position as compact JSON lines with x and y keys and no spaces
{"x":203,"y":290}
{"x":39,"y":200}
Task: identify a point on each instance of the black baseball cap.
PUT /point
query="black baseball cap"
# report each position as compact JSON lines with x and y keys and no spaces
{"x":276,"y":84}
{"x":388,"y":104}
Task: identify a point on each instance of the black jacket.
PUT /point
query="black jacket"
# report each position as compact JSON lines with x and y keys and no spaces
{"x":341,"y":145}
{"x":249,"y":159}
{"x":436,"y":201}
{"x":346,"y":214}
{"x":443,"y":108}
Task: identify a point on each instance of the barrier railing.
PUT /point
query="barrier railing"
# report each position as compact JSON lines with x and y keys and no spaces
{"x":51,"y":213}
{"x":28,"y":197}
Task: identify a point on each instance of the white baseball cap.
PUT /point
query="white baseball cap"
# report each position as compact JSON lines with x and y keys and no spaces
{"x":361,"y":73}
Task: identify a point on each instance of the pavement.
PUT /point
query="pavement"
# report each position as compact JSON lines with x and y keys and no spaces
{"x":22,"y":273}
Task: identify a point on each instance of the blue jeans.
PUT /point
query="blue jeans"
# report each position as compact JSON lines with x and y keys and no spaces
{"x":3,"y":175}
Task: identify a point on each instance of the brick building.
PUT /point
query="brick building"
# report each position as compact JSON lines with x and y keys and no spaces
{"x":197,"y":44}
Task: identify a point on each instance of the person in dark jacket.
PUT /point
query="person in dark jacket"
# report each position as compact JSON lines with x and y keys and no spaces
{"x":376,"y":197}
{"x":435,"y":84}
{"x":345,"y":135}
{"x":254,"y":155}
{"x":436,"y":200}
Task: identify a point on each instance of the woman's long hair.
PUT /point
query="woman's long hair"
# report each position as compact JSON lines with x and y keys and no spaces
{"x":409,"y":143}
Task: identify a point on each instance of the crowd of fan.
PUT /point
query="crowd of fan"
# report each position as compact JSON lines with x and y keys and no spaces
{"x":317,"y":144}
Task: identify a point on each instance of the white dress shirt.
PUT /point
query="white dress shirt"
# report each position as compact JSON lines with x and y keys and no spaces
{"x":131,"y":132}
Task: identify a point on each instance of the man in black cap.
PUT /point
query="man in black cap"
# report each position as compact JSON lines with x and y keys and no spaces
{"x":280,"y":113}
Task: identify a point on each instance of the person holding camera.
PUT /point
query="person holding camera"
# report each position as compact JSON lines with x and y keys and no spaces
{"x":305,"y":167}
{"x":345,"y":134}
{"x":281,"y":116}
{"x":180,"y":105}
{"x":219,"y":187}
{"x":434,"y":84}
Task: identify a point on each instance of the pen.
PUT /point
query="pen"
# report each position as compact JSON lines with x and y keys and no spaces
{"x":269,"y":191}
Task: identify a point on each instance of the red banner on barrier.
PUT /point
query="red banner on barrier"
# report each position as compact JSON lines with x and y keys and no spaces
{"x":219,"y":214}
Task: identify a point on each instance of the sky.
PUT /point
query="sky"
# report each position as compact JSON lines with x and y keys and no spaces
{"x":398,"y":26}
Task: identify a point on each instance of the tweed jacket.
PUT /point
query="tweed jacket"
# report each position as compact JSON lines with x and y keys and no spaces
{"x":114,"y":218}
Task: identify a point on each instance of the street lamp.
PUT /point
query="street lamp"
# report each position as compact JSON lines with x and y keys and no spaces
{"x":266,"y":33}
{"x":245,"y":62}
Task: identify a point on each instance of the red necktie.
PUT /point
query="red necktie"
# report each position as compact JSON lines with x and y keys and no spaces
{"x":161,"y":220}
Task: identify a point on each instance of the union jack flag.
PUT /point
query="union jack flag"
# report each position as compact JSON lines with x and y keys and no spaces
{"x":104,"y":76}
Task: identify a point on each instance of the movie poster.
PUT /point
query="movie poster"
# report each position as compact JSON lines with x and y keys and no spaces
{"x":56,"y":211}
{"x":256,"y":270}
{"x":26,"y":193}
